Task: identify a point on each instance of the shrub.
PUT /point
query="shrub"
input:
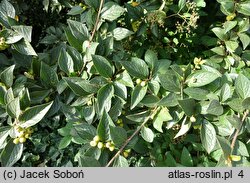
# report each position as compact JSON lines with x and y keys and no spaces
{"x":124,"y":83}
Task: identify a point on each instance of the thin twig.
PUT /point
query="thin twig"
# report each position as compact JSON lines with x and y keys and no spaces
{"x":97,"y":21}
{"x":238,"y":130}
{"x":130,"y":138}
{"x":94,"y":31}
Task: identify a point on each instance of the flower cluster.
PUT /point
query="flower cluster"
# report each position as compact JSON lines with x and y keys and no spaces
{"x":190,"y":18}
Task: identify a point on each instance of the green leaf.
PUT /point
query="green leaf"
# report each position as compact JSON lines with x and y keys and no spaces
{"x":244,"y":8}
{"x":6,"y":11}
{"x":4,"y":132}
{"x":154,"y":86}
{"x":225,"y":146}
{"x":219,"y":50}
{"x":80,"y":86}
{"x":103,"y":128}
{"x":103,"y":66}
{"x":111,"y":11}
{"x":246,"y":103}
{"x":137,"y":68}
{"x":137,"y":95}
{"x":120,"y":90}
{"x":33,"y":115}
{"x":82,"y":133}
{"x":200,"y":3}
{"x":235,"y":121}
{"x":170,"y":82}
{"x":88,"y":161}
{"x":118,"y":136}
{"x":74,"y":42}
{"x":24,"y":47}
{"x":124,"y":78}
{"x":201,"y":78}
{"x":243,"y":25}
{"x":3,"y":92}
{"x":160,"y":117}
{"x":185,"y":126}
{"x":181,"y":4}
{"x":170,"y":161}
{"x":78,"y":30}
{"x":186,"y":158}
{"x":11,"y":154}
{"x":120,"y":33}
{"x":139,"y":117}
{"x":76,"y":10}
{"x":170,"y":100}
{"x":231,"y":46}
{"x":188,"y":106}
{"x":48,"y":75}
{"x":225,"y":92}
{"x":242,"y":84}
{"x":88,"y":113}
{"x":236,"y":104}
{"x":13,"y":108}
{"x":228,"y":25}
{"x":150,"y":101}
{"x":220,"y":33}
{"x":120,"y":161}
{"x":25,"y":31}
{"x":104,"y":96}
{"x":7,"y":76}
{"x":196,"y":93}
{"x":208,"y":136}
{"x":9,"y":96}
{"x":147,"y":134}
{"x":65,"y":141}
{"x":245,"y":40}
{"x":215,"y":108}
{"x":151,"y":59}
{"x":66,"y":62}
{"x":241,"y":149}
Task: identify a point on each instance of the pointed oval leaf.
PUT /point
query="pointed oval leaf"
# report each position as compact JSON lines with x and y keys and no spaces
{"x":137,"y":68}
{"x":111,"y":11}
{"x":13,"y":108}
{"x":186,"y":158}
{"x":7,"y":76}
{"x":104,"y":96}
{"x":201,"y":78}
{"x":118,"y":135}
{"x":66,"y":62}
{"x":147,"y":134}
{"x":103,"y":66}
{"x":103,"y":128}
{"x":242,"y":84}
{"x":137,"y":95}
{"x":11,"y":154}
{"x":185,"y":126}
{"x":215,"y":108}
{"x":34,"y":115}
{"x":48,"y":75}
{"x":208,"y":136}
{"x":120,"y":33}
{"x":120,"y":161}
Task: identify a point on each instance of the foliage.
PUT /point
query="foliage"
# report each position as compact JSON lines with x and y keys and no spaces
{"x":124,"y":83}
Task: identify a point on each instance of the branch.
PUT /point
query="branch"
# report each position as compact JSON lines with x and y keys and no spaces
{"x":130,"y":138}
{"x":97,"y":21}
{"x":94,"y":30}
{"x":238,"y":130}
